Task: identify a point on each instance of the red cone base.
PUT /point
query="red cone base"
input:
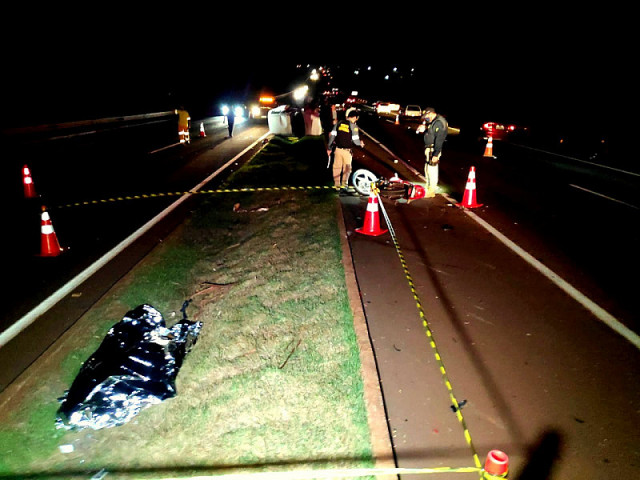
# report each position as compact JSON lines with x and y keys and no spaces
{"x":371,"y":219}
{"x":497,"y":463}
{"x":469,"y":198}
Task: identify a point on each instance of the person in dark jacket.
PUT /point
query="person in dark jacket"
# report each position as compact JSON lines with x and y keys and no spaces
{"x":436,"y":133}
{"x":344,"y":135}
{"x":231,"y":118}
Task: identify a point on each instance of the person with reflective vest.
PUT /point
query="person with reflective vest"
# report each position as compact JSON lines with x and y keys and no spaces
{"x":184,"y":121}
{"x":343,"y":137}
{"x":436,"y":133}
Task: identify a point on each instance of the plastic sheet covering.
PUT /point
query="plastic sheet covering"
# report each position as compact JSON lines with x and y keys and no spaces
{"x":135,"y":366}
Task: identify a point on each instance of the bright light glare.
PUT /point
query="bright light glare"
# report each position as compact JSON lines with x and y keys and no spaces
{"x":225,"y":110}
{"x":239,"y":111}
{"x":255,"y":111}
{"x":300,"y":93}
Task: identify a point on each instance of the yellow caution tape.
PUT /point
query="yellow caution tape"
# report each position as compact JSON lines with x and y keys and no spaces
{"x":193,"y":192}
{"x":328,"y":473}
{"x":432,"y":343}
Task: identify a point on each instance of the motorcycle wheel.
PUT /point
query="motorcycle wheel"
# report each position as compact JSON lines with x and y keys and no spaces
{"x":362,"y":180}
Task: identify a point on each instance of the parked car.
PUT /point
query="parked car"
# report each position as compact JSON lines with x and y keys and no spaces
{"x":382,"y":108}
{"x":412,"y":111}
{"x":286,"y":120}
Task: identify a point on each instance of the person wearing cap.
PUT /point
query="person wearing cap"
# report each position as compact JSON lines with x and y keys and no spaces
{"x":436,"y":132}
{"x":343,"y":137}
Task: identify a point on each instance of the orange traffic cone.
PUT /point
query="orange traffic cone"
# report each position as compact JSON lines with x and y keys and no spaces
{"x":202,"y":134}
{"x":398,"y":119}
{"x":496,"y":465}
{"x":371,"y":219}
{"x":27,"y":181}
{"x":488,"y":150}
{"x":469,"y":198}
{"x":49,"y":246}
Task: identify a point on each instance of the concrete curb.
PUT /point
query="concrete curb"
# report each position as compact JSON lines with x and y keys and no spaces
{"x":376,"y":413}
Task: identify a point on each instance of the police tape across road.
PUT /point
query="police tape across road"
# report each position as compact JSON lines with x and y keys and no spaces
{"x":30,"y":317}
{"x":196,"y":192}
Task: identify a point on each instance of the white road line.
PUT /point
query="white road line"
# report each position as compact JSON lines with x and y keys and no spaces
{"x":69,"y":287}
{"x":603,"y":196}
{"x":619,"y":170}
{"x":597,"y":311}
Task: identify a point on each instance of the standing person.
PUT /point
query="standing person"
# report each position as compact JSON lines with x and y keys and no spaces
{"x":231,"y":118}
{"x":436,"y":132}
{"x":184,"y":121}
{"x":345,"y":135}
{"x":312,"y":119}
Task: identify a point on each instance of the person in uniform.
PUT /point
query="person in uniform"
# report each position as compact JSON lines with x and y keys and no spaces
{"x":436,"y":133}
{"x":184,"y":123}
{"x":343,"y":137}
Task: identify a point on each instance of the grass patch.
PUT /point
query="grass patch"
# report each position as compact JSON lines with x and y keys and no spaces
{"x":274,"y":379}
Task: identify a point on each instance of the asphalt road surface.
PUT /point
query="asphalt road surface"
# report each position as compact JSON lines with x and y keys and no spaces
{"x":541,"y":377}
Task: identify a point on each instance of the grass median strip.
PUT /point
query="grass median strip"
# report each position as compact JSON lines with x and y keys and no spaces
{"x":274,"y":379}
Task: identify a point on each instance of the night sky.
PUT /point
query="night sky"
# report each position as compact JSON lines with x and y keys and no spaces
{"x":531,"y":67}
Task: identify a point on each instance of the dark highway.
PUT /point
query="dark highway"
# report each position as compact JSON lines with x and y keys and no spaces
{"x":530,"y":295}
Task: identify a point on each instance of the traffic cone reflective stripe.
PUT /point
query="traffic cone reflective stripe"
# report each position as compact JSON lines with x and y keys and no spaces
{"x":29,"y":187}
{"x":49,"y":246}
{"x":469,"y":198}
{"x":496,"y":465}
{"x":488,"y":150}
{"x":371,"y":224}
